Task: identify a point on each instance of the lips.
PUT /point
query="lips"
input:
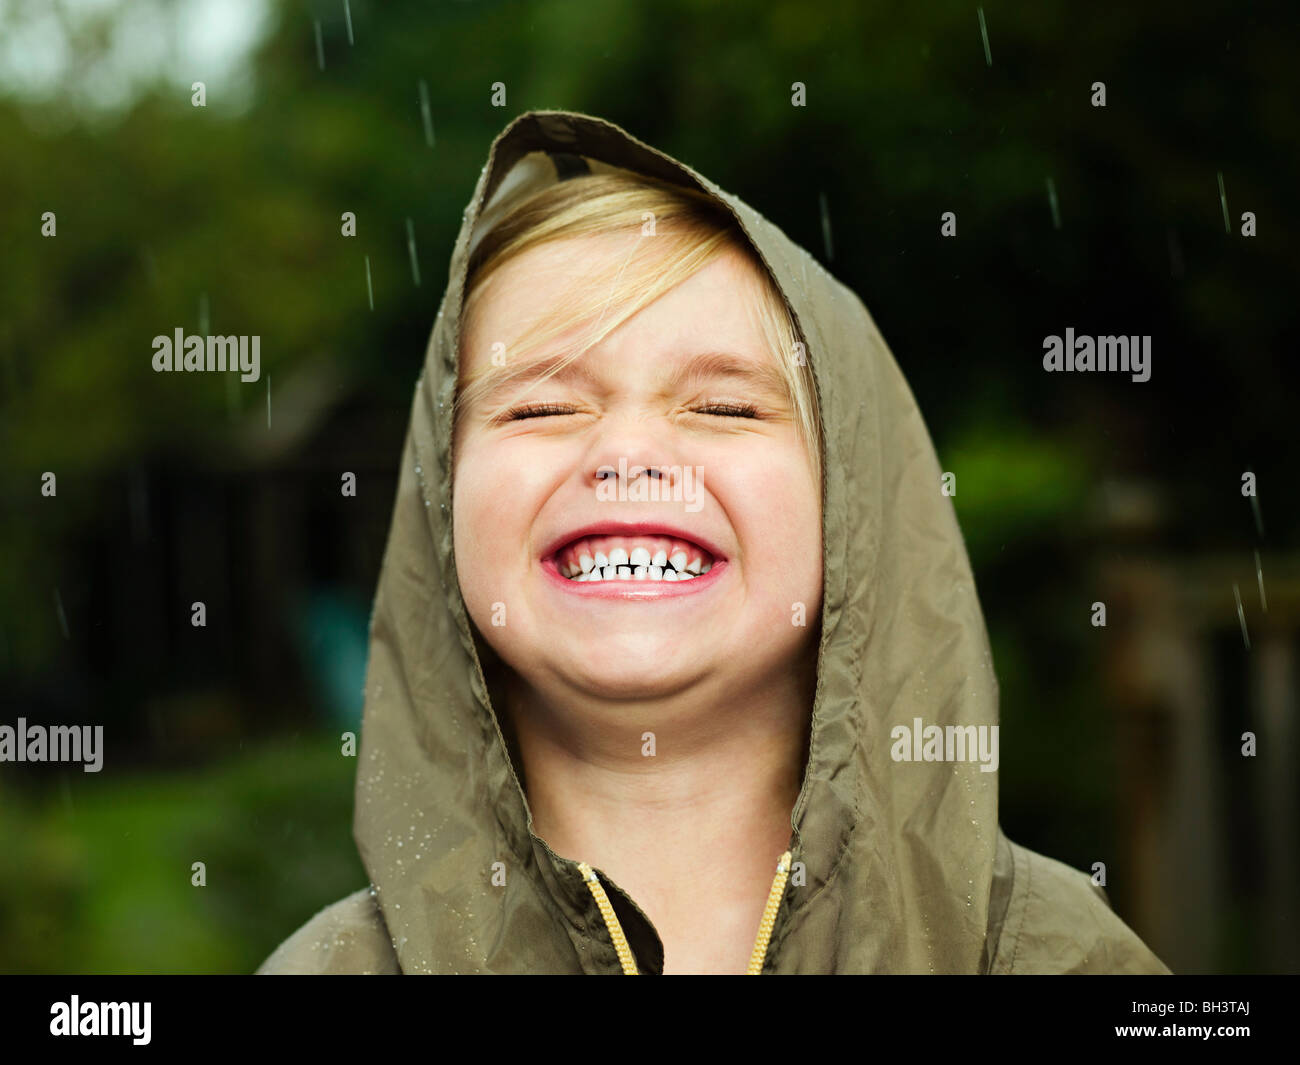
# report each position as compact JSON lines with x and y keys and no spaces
{"x":631,"y":553}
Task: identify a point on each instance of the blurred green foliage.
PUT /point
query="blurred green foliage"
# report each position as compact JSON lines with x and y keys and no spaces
{"x":97,"y":869}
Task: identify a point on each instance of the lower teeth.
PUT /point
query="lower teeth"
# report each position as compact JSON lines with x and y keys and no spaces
{"x":634,"y":573}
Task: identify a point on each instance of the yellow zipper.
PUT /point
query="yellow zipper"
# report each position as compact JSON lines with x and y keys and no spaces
{"x":624,"y":952}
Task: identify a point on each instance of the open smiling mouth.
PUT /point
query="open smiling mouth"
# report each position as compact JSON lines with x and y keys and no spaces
{"x":634,"y":558}
{"x":657,"y":558}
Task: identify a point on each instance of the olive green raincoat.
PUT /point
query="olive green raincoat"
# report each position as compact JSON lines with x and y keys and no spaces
{"x":894,"y":866}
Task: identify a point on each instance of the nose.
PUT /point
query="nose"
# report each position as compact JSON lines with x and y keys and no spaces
{"x":629,"y":473}
{"x":629,"y":450}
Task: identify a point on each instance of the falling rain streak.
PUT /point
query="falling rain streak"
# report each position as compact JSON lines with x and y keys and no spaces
{"x":1223,"y":202}
{"x":410,"y":247}
{"x":826,"y":226}
{"x":370,"y":290}
{"x":1259,"y":517}
{"x":984,"y":33}
{"x":1056,"y":207}
{"x":320,"y":46}
{"x":347,"y":16}
{"x":63,"y":618}
{"x":1259,"y":576}
{"x":1241,"y":615}
{"x":425,"y":114}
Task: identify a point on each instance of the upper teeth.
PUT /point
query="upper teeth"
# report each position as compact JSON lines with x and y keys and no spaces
{"x":668,"y":560}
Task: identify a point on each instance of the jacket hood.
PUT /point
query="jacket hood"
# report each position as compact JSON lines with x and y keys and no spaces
{"x":897,"y":857}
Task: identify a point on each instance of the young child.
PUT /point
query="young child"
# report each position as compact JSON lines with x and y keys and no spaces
{"x":671,"y":588}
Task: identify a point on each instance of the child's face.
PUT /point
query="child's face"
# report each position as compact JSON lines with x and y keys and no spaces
{"x":528,"y":492}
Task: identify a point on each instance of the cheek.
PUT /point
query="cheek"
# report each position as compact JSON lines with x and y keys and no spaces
{"x":773,"y":506}
{"x":498,"y":491}
{"x":482,"y":518}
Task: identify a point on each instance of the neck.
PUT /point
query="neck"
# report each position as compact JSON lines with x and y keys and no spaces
{"x":646,"y":789}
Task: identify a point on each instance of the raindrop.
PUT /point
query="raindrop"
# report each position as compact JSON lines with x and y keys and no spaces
{"x":826,"y":226}
{"x":63,"y":618}
{"x":1051,"y":199}
{"x":1241,"y":615}
{"x":410,"y":247}
{"x":1259,"y":518}
{"x":1223,"y":199}
{"x":425,"y":114}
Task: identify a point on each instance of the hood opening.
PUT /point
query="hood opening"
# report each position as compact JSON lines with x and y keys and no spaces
{"x":890,"y":862}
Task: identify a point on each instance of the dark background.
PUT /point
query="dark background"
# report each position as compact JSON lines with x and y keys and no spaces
{"x":1120,"y":744}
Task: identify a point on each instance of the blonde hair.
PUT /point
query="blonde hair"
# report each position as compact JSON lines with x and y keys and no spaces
{"x":691,"y":229}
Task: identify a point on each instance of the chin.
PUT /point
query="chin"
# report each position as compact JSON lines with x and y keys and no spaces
{"x":635,"y":690}
{"x":605,"y":678}
{"x":632,"y":647}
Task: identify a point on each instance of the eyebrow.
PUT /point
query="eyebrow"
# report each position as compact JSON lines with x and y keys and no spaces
{"x":705,"y":366}
{"x":710,"y":364}
{"x":535,"y":370}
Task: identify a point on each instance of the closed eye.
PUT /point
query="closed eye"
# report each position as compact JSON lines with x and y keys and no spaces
{"x":534,"y":410}
{"x":729,"y":410}
{"x":546,"y":410}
